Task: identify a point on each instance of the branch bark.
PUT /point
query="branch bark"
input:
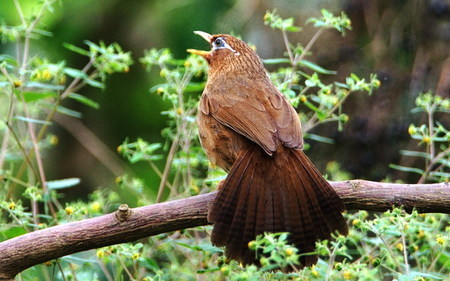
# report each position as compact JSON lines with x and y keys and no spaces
{"x":125,"y":225}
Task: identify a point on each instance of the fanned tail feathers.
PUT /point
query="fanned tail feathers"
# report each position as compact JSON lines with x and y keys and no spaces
{"x":285,"y":193}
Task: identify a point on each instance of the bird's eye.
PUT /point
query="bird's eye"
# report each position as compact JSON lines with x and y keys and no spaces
{"x":218,"y":43}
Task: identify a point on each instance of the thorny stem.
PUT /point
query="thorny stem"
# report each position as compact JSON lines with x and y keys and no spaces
{"x":28,"y":31}
{"x":36,"y":148}
{"x":22,"y":149}
{"x":405,"y":254}
{"x":331,"y":262}
{"x":430,"y":129}
{"x":20,"y":12}
{"x":314,"y":120}
{"x":18,"y":221}
{"x":73,"y":270}
{"x":297,"y":58}
{"x":433,"y":161}
{"x":61,"y":270}
{"x":3,"y":148}
{"x":159,"y":173}
{"x":105,"y":270}
{"x":125,"y":267}
{"x":388,"y":248}
{"x":309,"y":45}
{"x":169,"y":160}
{"x":431,"y":146}
{"x":288,"y":48}
{"x":8,"y":119}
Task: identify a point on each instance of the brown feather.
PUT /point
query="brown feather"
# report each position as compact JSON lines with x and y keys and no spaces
{"x":248,"y":128}
{"x":270,"y":199}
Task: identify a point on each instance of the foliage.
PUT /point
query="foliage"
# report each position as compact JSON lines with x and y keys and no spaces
{"x":33,"y":89}
{"x":434,"y":136}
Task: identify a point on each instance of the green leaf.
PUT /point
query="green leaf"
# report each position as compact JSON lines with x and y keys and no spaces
{"x":85,"y":100}
{"x":4,"y":84}
{"x":406,"y":169}
{"x":315,"y":67}
{"x":32,"y":120}
{"x":293,"y":28}
{"x":75,"y":73}
{"x":69,"y":112}
{"x":415,"y":153}
{"x":34,"y":96}
{"x":76,"y":49}
{"x":43,"y":32}
{"x":94,"y":83}
{"x":319,"y":138}
{"x":203,"y":248}
{"x":64,"y":183}
{"x":8,"y":59}
{"x":45,"y":86}
{"x":12,"y":232}
{"x":195,"y":87}
{"x":276,"y":61}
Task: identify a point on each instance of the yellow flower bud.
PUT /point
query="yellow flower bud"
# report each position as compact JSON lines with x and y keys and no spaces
{"x":100,"y":253}
{"x":289,"y":251}
{"x":440,"y":240}
{"x":17,"y":83}
{"x":399,"y":246}
{"x":347,"y":275}
{"x":96,"y":206}
{"x":303,"y":99}
{"x":69,"y":210}
{"x":46,"y":74}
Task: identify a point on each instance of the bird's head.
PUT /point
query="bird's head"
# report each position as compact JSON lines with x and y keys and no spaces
{"x":229,"y":53}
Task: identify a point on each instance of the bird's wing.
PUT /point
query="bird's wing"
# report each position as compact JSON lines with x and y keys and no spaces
{"x":255,"y":109}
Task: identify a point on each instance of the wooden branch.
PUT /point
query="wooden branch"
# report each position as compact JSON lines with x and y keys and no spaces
{"x":127,"y":225}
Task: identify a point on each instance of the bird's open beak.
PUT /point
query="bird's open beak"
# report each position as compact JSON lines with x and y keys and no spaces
{"x":205,"y":36}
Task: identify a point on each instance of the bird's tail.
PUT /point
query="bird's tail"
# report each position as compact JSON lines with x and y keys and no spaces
{"x":279,"y":193}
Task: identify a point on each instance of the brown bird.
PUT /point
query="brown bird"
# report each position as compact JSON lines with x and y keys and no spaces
{"x":249,"y":129}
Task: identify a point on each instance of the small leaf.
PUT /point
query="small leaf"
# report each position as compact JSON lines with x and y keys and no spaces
{"x":315,"y":67}
{"x":45,"y":86}
{"x":415,"y":153}
{"x":34,"y":96}
{"x":276,"y":61}
{"x":76,"y":49}
{"x":319,"y":138}
{"x":12,"y":232}
{"x":4,"y":84}
{"x":293,"y":28}
{"x":94,"y":83}
{"x":64,"y":183}
{"x":195,"y":87}
{"x":69,"y":112}
{"x":8,"y":59}
{"x":85,"y":100}
{"x":406,"y":169}
{"x":32,"y":120}
{"x":75,"y":73}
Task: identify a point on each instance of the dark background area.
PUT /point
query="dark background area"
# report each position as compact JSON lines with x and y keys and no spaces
{"x":405,"y":42}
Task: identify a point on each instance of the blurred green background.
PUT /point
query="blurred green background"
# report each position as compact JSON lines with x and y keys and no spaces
{"x":405,"y":42}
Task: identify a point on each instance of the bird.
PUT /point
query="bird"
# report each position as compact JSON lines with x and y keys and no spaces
{"x":248,"y":128}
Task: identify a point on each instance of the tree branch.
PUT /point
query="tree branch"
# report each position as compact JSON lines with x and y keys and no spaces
{"x":127,"y":225}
